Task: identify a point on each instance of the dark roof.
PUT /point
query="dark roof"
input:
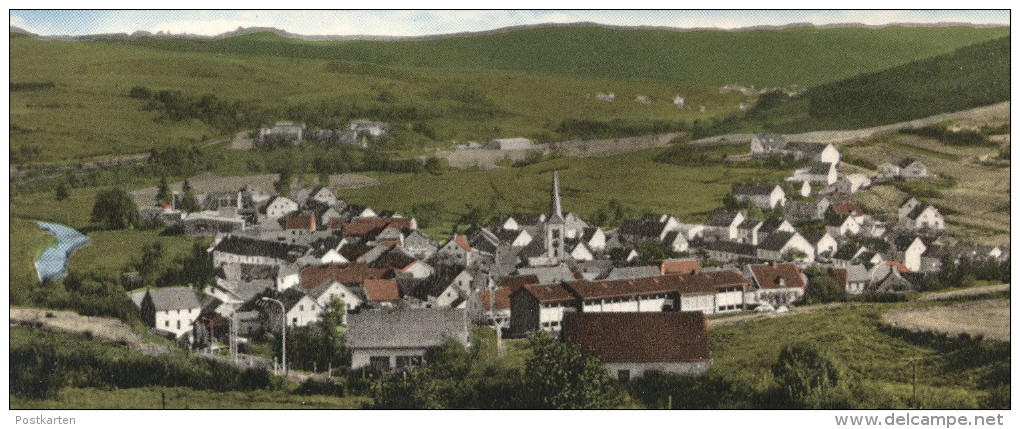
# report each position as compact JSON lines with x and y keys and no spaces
{"x":813,"y":148}
{"x":721,"y":218}
{"x":770,"y":276}
{"x":846,"y":252}
{"x":290,"y":298}
{"x":174,"y":298}
{"x":918,"y":209}
{"x":370,"y":226}
{"x":629,"y":287}
{"x":265,"y":248}
{"x":640,"y":337}
{"x":813,"y":236}
{"x":513,"y":283}
{"x":406,"y":328}
{"x":645,"y":227}
{"x":731,"y":247}
{"x":841,"y":275}
{"x":776,"y":240}
{"x":708,"y":283}
{"x":819,"y":168}
{"x":548,"y":293}
{"x":315,"y":275}
{"x":628,"y":273}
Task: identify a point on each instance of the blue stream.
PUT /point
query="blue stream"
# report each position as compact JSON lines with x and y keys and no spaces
{"x":52,"y":263}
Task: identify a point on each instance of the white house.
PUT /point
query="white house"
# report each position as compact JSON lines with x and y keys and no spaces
{"x":767,"y":145}
{"x":843,"y":227}
{"x":911,"y":249}
{"x":776,"y":284}
{"x":781,"y":245}
{"x":819,"y":173}
{"x":765,"y":197}
{"x":923,"y":216}
{"x":399,"y":339}
{"x":723,"y":224}
{"x":332,"y":290}
{"x":852,"y":183}
{"x":279,"y":207}
{"x":301,"y":310}
{"x":818,"y":152}
{"x":823,"y":243}
{"x":888,"y":171}
{"x":172,"y":309}
{"x":540,"y":307}
{"x":581,"y":252}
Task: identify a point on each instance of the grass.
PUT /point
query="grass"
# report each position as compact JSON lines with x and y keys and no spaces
{"x":185,"y":398}
{"x":116,"y":250}
{"x":88,"y":112}
{"x":75,"y":211}
{"x":587,"y":185}
{"x":978,"y":73}
{"x":744,"y":353}
{"x":807,"y":56}
{"x":27,"y":242}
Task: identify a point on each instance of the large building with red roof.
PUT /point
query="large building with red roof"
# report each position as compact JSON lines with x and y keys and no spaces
{"x":633,"y":344}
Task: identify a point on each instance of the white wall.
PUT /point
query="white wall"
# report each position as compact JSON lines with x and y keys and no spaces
{"x":177,"y":321}
{"x":638,"y":369}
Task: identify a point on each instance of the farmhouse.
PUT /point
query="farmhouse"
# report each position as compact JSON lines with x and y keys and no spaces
{"x":921,"y":217}
{"x":398,"y":339}
{"x":765,"y":197}
{"x":783,"y":245}
{"x":777,"y":284}
{"x":632,"y":344}
{"x":172,"y":309}
{"x":244,"y":250}
{"x":540,"y":307}
{"x":767,"y":145}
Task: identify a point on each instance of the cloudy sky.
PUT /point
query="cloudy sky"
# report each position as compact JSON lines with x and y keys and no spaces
{"x":417,"y":23}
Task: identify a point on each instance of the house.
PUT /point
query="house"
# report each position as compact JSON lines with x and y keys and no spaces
{"x":680,"y":267}
{"x":210,"y":223}
{"x":581,"y":252}
{"x":729,"y":251}
{"x":824,"y":244}
{"x":540,"y":307}
{"x":633,"y":344}
{"x":858,"y":279}
{"x":676,"y":241}
{"x":784,"y":245}
{"x":244,"y":250}
{"x":767,"y":145}
{"x":723,"y":224}
{"x":923,"y":217}
{"x":301,"y":310}
{"x":806,"y":210}
{"x":749,"y":231}
{"x":887,"y":278}
{"x":398,"y":339}
{"x":516,"y":143}
{"x":913,"y":169}
{"x":712,"y":292}
{"x":420,"y":245}
{"x":648,"y":228}
{"x":324,"y":295}
{"x":654,"y":294}
{"x":368,"y":130}
{"x":172,"y":309}
{"x":817,"y":152}
{"x":846,"y":208}
{"x":776,"y":284}
{"x":818,"y":173}
{"x":765,"y":197}
{"x":458,"y":249}
{"x":888,"y":171}
{"x":846,"y":253}
{"x":842,"y":226}
{"x":315,"y":275}
{"x":909,"y":250}
{"x":852,"y":183}
{"x":496,"y":305}
{"x":282,"y":132}
{"x":548,"y":275}
{"x":382,"y":292}
{"x":805,"y":189}
{"x":628,"y":273}
{"x":279,"y":207}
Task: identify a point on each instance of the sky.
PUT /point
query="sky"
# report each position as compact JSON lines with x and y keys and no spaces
{"x":420,"y":23}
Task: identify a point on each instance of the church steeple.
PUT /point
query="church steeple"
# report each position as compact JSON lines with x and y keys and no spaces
{"x":555,"y":207}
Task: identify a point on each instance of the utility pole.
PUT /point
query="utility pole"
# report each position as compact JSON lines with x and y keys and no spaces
{"x":492,"y":316}
{"x":283,"y":329}
{"x":233,"y":336}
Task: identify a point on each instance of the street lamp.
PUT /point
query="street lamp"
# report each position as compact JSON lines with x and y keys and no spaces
{"x":283,"y":328}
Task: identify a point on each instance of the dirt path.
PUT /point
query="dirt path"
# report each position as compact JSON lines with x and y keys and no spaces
{"x":965,"y":293}
{"x":850,"y":136}
{"x":733,"y":320}
{"x":102,"y":329}
{"x":486,"y":158}
{"x":209,"y":182}
{"x":989,"y":318}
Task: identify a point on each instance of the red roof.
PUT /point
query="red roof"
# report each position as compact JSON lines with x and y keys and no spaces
{"x":514,"y":283}
{"x":502,"y":299}
{"x":771,"y":276}
{"x":382,"y":290}
{"x":845,"y":208}
{"x":371,"y":226}
{"x":315,"y":275}
{"x":899,"y":266}
{"x":709,"y":283}
{"x":680,"y":266}
{"x":462,"y":242}
{"x":549,"y":293}
{"x":304,"y":222}
{"x":631,"y":287}
{"x":841,"y":275}
{"x":640,"y":337}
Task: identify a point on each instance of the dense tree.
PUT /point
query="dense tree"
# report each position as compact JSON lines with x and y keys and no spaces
{"x":114,"y":209}
{"x":163,"y":192}
{"x":561,"y":377}
{"x":188,"y":202}
{"x":62,"y":191}
{"x":654,"y":252}
{"x":806,"y":376}
{"x":822,"y":287}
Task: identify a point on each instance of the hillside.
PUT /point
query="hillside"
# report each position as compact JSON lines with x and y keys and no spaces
{"x":806,"y":56}
{"x":969,"y":77}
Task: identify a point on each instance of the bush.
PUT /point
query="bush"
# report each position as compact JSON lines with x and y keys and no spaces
{"x":807,"y":377}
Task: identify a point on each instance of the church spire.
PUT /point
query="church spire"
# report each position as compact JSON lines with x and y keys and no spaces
{"x":555,"y":207}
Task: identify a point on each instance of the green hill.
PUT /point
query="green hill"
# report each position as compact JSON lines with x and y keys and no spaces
{"x":806,"y":56}
{"x":969,"y":77}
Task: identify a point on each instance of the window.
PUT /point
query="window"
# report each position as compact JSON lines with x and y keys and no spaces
{"x":301,"y":307}
{"x":167,"y":323}
{"x":409,"y":361}
{"x":623,"y":375}
{"x":295,"y":320}
{"x":382,"y":363}
{"x":178,"y":324}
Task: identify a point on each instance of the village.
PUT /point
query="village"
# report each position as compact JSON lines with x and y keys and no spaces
{"x":284,"y":260}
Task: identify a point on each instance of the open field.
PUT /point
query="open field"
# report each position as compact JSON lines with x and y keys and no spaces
{"x":965,"y":293}
{"x":989,"y":318}
{"x":87,"y":110}
{"x":881,"y":360}
{"x":116,"y":250}
{"x":27,"y":242}
{"x":210,"y":182}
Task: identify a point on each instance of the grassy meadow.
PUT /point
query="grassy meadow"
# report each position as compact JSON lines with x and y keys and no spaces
{"x":178,"y":398}
{"x":804,"y":55}
{"x":27,"y":242}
